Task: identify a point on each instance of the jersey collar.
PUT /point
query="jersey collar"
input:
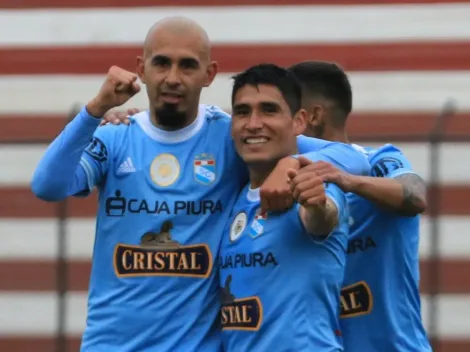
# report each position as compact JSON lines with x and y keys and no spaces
{"x":170,"y":137}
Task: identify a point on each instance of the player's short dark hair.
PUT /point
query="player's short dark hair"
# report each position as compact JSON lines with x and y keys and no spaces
{"x":272,"y":75}
{"x":327,"y":80}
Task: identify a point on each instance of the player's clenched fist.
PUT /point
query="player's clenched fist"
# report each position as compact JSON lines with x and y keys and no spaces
{"x":306,"y":186}
{"x":275,"y":193}
{"x":119,"y":86}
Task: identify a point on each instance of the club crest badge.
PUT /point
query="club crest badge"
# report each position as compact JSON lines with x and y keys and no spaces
{"x":238,"y":225}
{"x":258,"y":224}
{"x":204,"y":168}
{"x":165,"y":170}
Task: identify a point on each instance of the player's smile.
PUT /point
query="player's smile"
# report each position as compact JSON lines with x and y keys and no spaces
{"x":254,"y":144}
{"x":255,"y":140}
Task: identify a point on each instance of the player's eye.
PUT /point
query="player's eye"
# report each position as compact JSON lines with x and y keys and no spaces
{"x":269,"y":109}
{"x":189,"y":64}
{"x":241,"y":112}
{"x":161,"y":61}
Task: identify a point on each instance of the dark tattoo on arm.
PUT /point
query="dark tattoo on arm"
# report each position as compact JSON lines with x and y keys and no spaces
{"x":414,"y":194}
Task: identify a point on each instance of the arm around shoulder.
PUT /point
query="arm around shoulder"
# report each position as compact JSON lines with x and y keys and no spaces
{"x":393,"y":185}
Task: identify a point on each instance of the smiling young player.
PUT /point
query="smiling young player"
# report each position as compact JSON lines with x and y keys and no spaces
{"x":281,"y":272}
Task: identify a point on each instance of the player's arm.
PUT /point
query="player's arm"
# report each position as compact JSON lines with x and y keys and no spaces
{"x":392,"y":185}
{"x":66,"y":169}
{"x":404,"y":194}
{"x":59,"y":173}
{"x":320,"y":204}
{"x":319,"y":220}
{"x":275,"y":193}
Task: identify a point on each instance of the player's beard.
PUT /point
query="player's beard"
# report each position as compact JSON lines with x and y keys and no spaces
{"x":168,"y":117}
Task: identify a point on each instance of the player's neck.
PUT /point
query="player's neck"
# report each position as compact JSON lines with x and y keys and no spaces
{"x":335,"y":135}
{"x":259,"y":173}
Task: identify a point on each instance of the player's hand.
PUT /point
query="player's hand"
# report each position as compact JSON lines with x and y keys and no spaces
{"x":118,"y":117}
{"x":275,"y":193}
{"x":330,"y":173}
{"x":119,"y":86}
{"x":306,"y":185}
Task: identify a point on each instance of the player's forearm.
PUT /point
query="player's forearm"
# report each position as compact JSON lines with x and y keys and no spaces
{"x":58,"y":173}
{"x":404,"y":195}
{"x":320,"y":221}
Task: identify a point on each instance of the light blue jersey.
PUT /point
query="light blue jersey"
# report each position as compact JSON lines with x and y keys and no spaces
{"x":280,"y":286}
{"x":164,"y":199}
{"x":380,"y":306}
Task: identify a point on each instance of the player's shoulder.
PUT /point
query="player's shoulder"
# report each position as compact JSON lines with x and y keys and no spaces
{"x":213,"y":113}
{"x":387,"y":159}
{"x":354,"y":159}
{"x":376,"y":153}
{"x":109,"y":133}
{"x":306,"y":144}
{"x":218,"y":125}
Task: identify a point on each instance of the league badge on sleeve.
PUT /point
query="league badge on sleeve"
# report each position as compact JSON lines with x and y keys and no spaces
{"x":204,"y":168}
{"x":97,"y":150}
{"x":386,"y":166}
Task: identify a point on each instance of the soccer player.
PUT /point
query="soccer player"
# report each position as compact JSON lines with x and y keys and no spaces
{"x":280,"y":272}
{"x":166,"y":183}
{"x":380,"y":304}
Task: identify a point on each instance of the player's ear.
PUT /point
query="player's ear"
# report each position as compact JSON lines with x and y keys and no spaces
{"x":211,"y":72}
{"x":300,"y":122}
{"x":316,"y":116}
{"x":141,"y":68}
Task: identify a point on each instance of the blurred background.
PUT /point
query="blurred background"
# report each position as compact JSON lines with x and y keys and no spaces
{"x":409,"y":64}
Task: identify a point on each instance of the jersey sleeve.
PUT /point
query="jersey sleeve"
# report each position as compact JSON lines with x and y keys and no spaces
{"x":338,"y":197}
{"x":389,"y":162}
{"x":343,"y":156}
{"x":60,"y":172}
{"x":95,"y":159}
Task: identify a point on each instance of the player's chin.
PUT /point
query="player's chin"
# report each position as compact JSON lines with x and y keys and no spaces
{"x":256,"y":156}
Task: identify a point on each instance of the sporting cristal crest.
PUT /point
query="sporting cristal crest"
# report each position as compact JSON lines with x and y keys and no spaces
{"x":257,"y":226}
{"x":204,"y":168}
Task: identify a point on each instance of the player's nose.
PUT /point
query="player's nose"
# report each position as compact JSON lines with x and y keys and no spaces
{"x":173,"y":78}
{"x":254,"y":122}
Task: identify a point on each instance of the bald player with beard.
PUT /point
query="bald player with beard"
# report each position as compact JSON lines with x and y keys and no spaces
{"x":166,"y":184}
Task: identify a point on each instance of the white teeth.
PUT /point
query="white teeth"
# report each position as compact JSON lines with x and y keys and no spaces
{"x":258,"y":140}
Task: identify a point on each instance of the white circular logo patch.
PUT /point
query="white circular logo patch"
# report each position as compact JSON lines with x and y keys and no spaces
{"x":165,"y":170}
{"x":238,"y":225}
